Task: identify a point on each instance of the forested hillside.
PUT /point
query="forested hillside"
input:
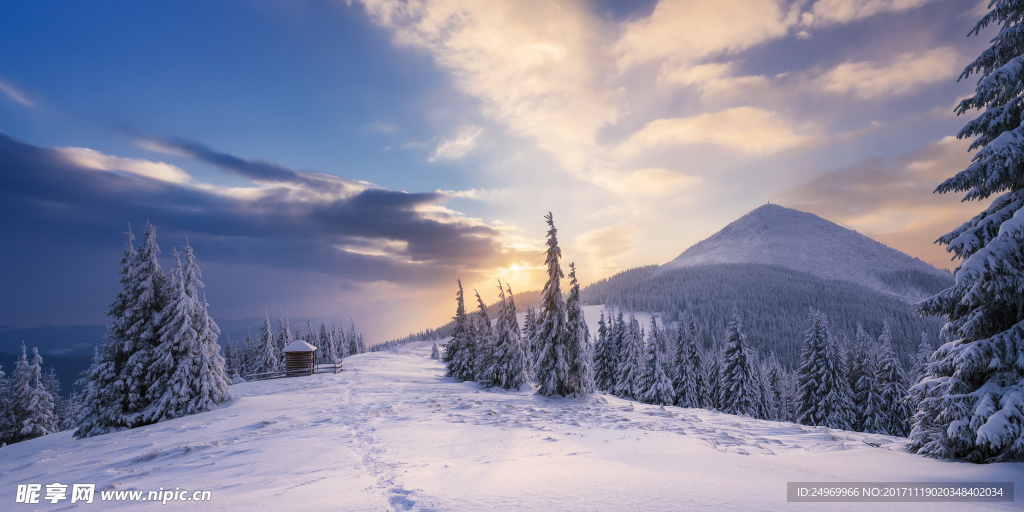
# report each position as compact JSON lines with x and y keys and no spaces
{"x":773,"y":300}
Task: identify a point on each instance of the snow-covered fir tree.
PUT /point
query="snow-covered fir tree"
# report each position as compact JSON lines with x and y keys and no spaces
{"x":579,"y":350}
{"x":117,"y":382}
{"x":894,"y":401}
{"x":823,"y":392}
{"x":655,"y":385}
{"x":435,"y":351}
{"x":738,"y":385}
{"x":457,"y":352}
{"x":616,"y":348}
{"x":552,"y":365}
{"x":530,"y":332}
{"x":763,"y":403}
{"x":484,"y":369}
{"x":60,"y":404}
{"x":922,"y":358}
{"x":284,"y":333}
{"x":604,"y":368}
{"x":688,"y":375}
{"x":713,"y":364}
{"x":7,"y":433}
{"x":265,"y":359}
{"x":971,"y":400}
{"x":39,"y":415}
{"x":775,"y":379}
{"x":21,"y":390}
{"x":150,"y":286}
{"x":187,"y":372}
{"x":866,"y":392}
{"x":631,"y":361}
{"x":512,"y":355}
{"x":342,"y":341}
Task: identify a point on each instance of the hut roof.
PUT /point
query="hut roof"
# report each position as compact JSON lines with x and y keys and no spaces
{"x":299,"y":346}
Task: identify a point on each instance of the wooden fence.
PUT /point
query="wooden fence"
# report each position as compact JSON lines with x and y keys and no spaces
{"x":318,"y":368}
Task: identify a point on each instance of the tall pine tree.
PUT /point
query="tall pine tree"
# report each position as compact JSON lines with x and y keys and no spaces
{"x":579,"y":351}
{"x":457,"y":352}
{"x":552,"y":365}
{"x":656,"y":387}
{"x":631,"y":361}
{"x":971,"y":401}
{"x":187,"y":370}
{"x":738,"y":384}
{"x":823,"y":392}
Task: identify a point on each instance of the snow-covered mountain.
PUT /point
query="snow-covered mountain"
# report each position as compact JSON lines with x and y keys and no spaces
{"x":775,"y":235}
{"x":392,"y":433}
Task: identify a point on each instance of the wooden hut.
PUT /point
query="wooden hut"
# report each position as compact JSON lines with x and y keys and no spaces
{"x":298,"y":358}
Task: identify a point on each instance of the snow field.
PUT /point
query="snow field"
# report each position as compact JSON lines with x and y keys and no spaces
{"x":391,"y":433}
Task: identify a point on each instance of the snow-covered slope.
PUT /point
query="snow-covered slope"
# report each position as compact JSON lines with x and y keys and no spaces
{"x":775,"y":235}
{"x":391,"y":433}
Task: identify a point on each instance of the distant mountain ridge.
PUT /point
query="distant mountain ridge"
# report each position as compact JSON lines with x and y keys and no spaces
{"x":775,"y":235}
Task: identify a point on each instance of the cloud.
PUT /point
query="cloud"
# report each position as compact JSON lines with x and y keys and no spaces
{"x":647,"y":183}
{"x":746,"y":129}
{"x":92,"y":159}
{"x":458,"y":146}
{"x":535,"y":66}
{"x":906,"y":73}
{"x":608,"y":242}
{"x":827,"y":12}
{"x":258,"y":171}
{"x":363,"y":234}
{"x":17,"y":95}
{"x":689,"y":31}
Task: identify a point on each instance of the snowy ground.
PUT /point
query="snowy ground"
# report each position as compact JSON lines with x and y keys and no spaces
{"x":390,"y":433}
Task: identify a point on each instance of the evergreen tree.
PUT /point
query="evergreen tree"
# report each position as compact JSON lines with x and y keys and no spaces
{"x":266,"y":359}
{"x":971,"y":400}
{"x":187,"y":371}
{"x":150,"y":287}
{"x":21,"y":391}
{"x":713,"y":358}
{"x":435,"y":352}
{"x":39,"y":416}
{"x":688,"y":377}
{"x":457,"y":353}
{"x":60,"y":405}
{"x":656,"y":387}
{"x":616,"y":349}
{"x":631,"y":361}
{"x":738,"y":385}
{"x":579,"y":351}
{"x":342,"y":340}
{"x":894,"y":401}
{"x":922,"y":358}
{"x":250,"y":349}
{"x":823,"y":392}
{"x":329,"y":342}
{"x":866,"y":392}
{"x":602,"y":367}
{"x":284,"y":334}
{"x":6,"y":410}
{"x":775,"y":380}
{"x":512,"y":353}
{"x":552,"y":364}
{"x":72,"y":412}
{"x":116,"y":380}
{"x":484,"y":368}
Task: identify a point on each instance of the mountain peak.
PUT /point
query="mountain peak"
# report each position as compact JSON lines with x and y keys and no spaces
{"x":775,"y":235}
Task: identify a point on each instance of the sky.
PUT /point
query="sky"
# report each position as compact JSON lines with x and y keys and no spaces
{"x":333,"y":159}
